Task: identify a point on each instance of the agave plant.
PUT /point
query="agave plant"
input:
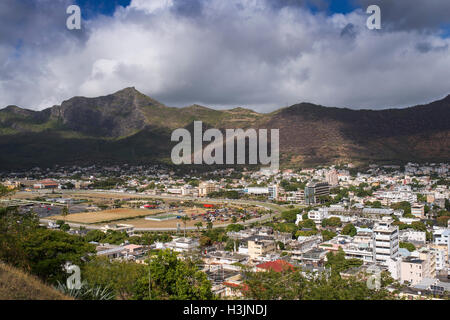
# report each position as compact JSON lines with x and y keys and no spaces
{"x":86,"y":292}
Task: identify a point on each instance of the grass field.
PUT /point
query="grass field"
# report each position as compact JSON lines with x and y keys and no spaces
{"x":106,"y":216}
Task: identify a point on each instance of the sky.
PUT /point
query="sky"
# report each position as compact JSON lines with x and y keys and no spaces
{"x":258,"y":54}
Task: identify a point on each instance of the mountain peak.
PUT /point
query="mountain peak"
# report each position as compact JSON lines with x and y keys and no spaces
{"x":128,"y":90}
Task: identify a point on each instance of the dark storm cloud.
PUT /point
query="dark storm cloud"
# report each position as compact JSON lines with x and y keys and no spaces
{"x":423,"y":15}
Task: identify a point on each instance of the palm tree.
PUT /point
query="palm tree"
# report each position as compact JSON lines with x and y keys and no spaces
{"x":65,"y":211}
{"x":185,"y":219}
{"x":199,"y":225}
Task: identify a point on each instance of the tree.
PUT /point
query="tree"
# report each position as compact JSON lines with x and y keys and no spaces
{"x":48,"y":251}
{"x":328,"y":235}
{"x":185,"y":219}
{"x":173,"y":279}
{"x":293,"y":285}
{"x":199,"y":225}
{"x":332,"y":222}
{"x":4,"y":191}
{"x":235,"y":227}
{"x":349,"y":230}
{"x":120,"y":276}
{"x":290,"y":216}
{"x":234,"y":219}
{"x":338,"y":263}
{"x":419,"y":226}
{"x":205,"y":241}
{"x":65,"y":211}
{"x":443,"y":220}
{"x":407,"y":245}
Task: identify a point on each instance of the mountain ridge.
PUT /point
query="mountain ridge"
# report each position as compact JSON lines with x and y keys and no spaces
{"x":123,"y":126}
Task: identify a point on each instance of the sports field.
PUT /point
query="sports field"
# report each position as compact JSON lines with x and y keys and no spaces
{"x":107,"y":215}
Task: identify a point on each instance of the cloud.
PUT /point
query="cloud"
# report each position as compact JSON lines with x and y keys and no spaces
{"x":224,"y":54}
{"x":418,"y":15}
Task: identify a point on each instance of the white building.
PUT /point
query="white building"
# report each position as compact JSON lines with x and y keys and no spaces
{"x":409,"y":235}
{"x":441,"y":236}
{"x":386,"y":240}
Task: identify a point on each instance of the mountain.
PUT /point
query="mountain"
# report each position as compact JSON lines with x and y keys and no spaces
{"x":128,"y":126}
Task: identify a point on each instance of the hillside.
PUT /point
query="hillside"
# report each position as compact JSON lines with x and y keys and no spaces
{"x":17,"y":285}
{"x":128,"y":126}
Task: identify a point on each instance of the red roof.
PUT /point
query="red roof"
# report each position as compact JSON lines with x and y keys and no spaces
{"x":277,"y":266}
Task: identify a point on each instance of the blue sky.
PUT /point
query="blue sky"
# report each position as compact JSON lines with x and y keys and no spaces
{"x":91,"y":8}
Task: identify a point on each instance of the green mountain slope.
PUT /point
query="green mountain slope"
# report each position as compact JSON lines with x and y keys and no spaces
{"x":128,"y":126}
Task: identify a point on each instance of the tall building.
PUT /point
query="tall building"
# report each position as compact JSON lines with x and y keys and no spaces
{"x":314,"y":190}
{"x":273,"y":192}
{"x":331,"y":177}
{"x":386,"y":241}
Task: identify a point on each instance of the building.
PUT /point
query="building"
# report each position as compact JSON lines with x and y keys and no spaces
{"x":429,"y":256}
{"x":273,"y":192}
{"x":129,"y":229}
{"x":181,"y":244}
{"x":410,"y":235}
{"x":257,"y":190}
{"x":441,"y":236}
{"x":315,"y":190}
{"x":259,"y":246}
{"x":332,"y":177}
{"x":277,"y":266}
{"x":206,"y":188}
{"x":411,"y":270}
{"x":386,"y":240}
{"x":318,"y":215}
{"x":46,"y":184}
{"x":418,"y":211}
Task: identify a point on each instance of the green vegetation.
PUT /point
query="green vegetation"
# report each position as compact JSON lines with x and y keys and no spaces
{"x":328,"y":235}
{"x":338,"y":263}
{"x":332,"y":222}
{"x":41,"y":251}
{"x":292,"y":285}
{"x":291,"y":215}
{"x":404,"y":205}
{"x":408,"y":246}
{"x":349,"y":230}
{"x":172,"y":279}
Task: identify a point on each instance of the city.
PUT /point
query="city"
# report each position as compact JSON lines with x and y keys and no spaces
{"x":391,"y":221}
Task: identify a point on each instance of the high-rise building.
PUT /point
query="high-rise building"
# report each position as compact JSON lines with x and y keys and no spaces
{"x":331,"y":177}
{"x":314,"y":190}
{"x":273,"y":192}
{"x":386,"y":241}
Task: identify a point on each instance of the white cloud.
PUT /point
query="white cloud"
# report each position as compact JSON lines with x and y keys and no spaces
{"x":235,"y":53}
{"x":151,"y":6}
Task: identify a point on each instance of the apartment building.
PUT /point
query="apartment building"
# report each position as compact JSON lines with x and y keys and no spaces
{"x":412,"y":270}
{"x":206,"y":188}
{"x":386,"y":240}
{"x":259,"y":246}
{"x":441,"y":236}
{"x":273,"y":192}
{"x":314,"y":190}
{"x":418,"y":211}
